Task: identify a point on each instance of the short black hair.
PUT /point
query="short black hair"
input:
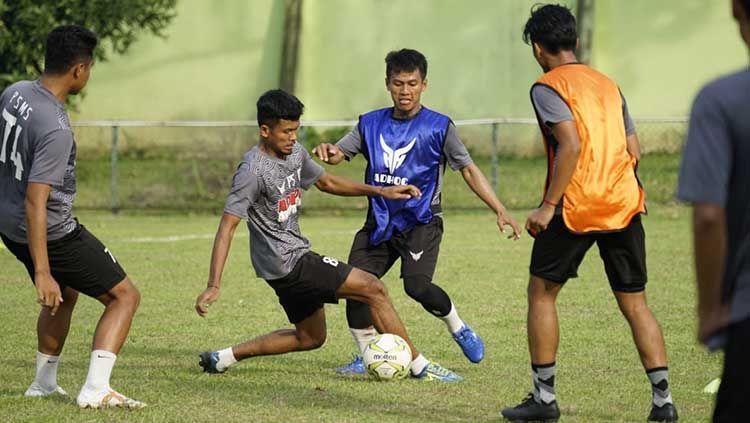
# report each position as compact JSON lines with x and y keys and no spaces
{"x":68,"y":45}
{"x":552,"y":26}
{"x":274,"y":105}
{"x":405,"y":60}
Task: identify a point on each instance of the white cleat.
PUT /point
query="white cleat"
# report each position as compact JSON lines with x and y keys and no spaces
{"x":36,"y":390}
{"x":106,"y":399}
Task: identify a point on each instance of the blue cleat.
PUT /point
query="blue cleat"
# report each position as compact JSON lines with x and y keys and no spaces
{"x":434,"y":371}
{"x":471,"y":344}
{"x":208,"y":361}
{"x":355,"y":367}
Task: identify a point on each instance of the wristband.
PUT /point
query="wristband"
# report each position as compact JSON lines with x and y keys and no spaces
{"x":550,"y":203}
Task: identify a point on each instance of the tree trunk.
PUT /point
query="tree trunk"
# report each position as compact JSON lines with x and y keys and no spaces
{"x":290,"y":47}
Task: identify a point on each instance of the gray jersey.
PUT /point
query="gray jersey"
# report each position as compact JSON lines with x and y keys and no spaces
{"x":455,"y":154}
{"x":266,"y":192}
{"x":713,"y":171}
{"x":37,"y":146}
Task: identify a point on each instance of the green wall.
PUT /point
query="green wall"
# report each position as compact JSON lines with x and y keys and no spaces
{"x":220,"y":55}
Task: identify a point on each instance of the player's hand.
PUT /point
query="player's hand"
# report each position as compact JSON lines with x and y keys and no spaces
{"x":710,"y":322}
{"x":505,"y":219}
{"x":540,"y":218}
{"x":400,"y":192}
{"x":204,"y":300}
{"x":326,"y":152}
{"x":48,"y":292}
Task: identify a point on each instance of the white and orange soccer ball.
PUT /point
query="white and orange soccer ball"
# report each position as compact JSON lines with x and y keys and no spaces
{"x":387,"y":357}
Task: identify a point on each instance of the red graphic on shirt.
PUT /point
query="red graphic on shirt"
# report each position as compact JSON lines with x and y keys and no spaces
{"x":288,"y":205}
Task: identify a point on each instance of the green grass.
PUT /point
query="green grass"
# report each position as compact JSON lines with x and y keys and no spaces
{"x":599,"y":375}
{"x":187,"y":182}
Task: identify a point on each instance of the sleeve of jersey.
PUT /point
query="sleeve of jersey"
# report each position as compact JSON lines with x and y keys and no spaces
{"x":629,"y":125}
{"x":455,"y":151}
{"x":310,"y":172}
{"x":51,"y":158}
{"x":707,"y":158}
{"x":351,"y":143}
{"x":550,"y":106}
{"x":244,"y":192}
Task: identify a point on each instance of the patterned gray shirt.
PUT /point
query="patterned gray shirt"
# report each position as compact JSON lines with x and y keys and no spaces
{"x":266,"y":192}
{"x":37,"y":146}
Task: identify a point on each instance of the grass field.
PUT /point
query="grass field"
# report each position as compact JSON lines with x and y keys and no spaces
{"x":599,"y":375}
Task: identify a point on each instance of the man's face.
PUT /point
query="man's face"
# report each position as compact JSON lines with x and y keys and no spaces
{"x":81,"y":73}
{"x":406,"y":90}
{"x":281,"y":136}
{"x":742,"y":17}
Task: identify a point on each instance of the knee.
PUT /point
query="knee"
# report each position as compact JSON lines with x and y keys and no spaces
{"x":417,"y":286}
{"x":376,"y":290}
{"x":126,"y":293}
{"x":632,"y":309}
{"x":313,"y":342}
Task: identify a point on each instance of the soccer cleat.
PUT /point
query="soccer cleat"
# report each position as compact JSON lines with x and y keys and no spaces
{"x":471,"y":343}
{"x":107,"y":399}
{"x":355,"y":367}
{"x":531,"y":411}
{"x":665,"y":413}
{"x":209,"y":360}
{"x":434,"y":371}
{"x":36,"y":390}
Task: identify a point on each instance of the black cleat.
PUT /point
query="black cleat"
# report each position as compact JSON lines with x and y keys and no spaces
{"x":665,"y":413}
{"x":208,"y":361}
{"x":531,"y":411}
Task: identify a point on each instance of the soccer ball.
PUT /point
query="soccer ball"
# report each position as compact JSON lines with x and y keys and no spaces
{"x":387,"y":357}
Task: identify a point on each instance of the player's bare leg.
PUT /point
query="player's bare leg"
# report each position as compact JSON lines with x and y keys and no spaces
{"x":120,"y":304}
{"x":308,"y":334}
{"x":366,"y":288}
{"x":542,"y":325}
{"x":649,"y":341}
{"x":51,"y":334}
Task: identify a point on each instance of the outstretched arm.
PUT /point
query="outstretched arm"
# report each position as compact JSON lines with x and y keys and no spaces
{"x":337,"y":185}
{"x":478,"y":183}
{"x":222,"y":243}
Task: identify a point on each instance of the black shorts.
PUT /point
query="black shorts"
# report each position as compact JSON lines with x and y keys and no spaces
{"x":313,"y":282}
{"x":78,"y":260}
{"x":557,"y":253}
{"x":731,"y":401}
{"x":417,"y":248}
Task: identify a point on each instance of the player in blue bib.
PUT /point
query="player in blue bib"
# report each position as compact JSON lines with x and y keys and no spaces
{"x":409,"y":144}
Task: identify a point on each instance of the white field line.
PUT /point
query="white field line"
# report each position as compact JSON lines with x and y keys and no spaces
{"x":192,"y":237}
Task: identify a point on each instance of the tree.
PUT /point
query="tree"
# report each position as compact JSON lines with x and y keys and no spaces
{"x":24,"y":25}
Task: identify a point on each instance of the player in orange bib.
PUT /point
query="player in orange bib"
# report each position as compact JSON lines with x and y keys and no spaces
{"x":592,"y":195}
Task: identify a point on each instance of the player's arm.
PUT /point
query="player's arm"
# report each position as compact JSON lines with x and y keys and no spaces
{"x":222,"y":244}
{"x":47,"y":289}
{"x":337,"y":185}
{"x":569,"y":148}
{"x":478,"y":183}
{"x":346,"y":147}
{"x":710,"y":240}
{"x":634,"y":147}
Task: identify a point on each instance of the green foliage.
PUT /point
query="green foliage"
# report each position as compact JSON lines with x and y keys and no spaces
{"x":24,"y":25}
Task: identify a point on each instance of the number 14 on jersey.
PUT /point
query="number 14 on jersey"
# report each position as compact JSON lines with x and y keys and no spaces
{"x":15,"y":155}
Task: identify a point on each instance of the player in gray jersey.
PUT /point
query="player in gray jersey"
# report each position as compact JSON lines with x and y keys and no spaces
{"x":37,"y":189}
{"x":418,"y":246}
{"x":266,"y":191}
{"x":714,"y":180}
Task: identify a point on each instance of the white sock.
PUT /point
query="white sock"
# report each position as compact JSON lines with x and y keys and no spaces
{"x":100,"y":369}
{"x":46,"y":371}
{"x":362,"y":337}
{"x":452,"y":320}
{"x":226,"y":359}
{"x":418,"y":364}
